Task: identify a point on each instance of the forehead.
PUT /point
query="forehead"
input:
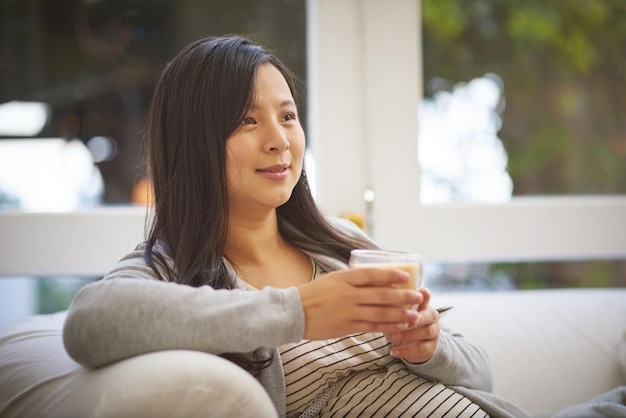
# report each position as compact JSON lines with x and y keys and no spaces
{"x":269,"y":81}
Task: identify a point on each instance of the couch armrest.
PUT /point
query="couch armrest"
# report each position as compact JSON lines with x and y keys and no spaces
{"x":38,"y":379}
{"x":170,"y":383}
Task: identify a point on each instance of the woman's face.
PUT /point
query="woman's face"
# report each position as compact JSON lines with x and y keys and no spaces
{"x":264,"y":156}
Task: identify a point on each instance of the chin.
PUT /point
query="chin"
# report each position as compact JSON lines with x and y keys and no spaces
{"x":282,"y":200}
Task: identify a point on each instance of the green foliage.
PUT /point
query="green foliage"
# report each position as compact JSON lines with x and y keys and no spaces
{"x":587,"y":274}
{"x":564,"y":71}
{"x":56,"y":294}
{"x":534,"y":24}
{"x":446,"y":17}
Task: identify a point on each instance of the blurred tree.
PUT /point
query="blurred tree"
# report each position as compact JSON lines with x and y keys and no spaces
{"x":564,"y":74}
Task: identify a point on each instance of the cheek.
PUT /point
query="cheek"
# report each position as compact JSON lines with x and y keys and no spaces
{"x":298,"y":146}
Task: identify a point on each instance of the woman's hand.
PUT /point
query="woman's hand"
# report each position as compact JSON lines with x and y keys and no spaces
{"x":417,"y":343}
{"x":366,"y":299}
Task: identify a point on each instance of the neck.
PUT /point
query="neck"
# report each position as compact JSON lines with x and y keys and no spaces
{"x":253,"y":241}
{"x":261,"y":257}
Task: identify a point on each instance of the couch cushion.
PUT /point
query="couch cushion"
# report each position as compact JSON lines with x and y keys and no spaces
{"x":32,"y":356}
{"x":549,"y":348}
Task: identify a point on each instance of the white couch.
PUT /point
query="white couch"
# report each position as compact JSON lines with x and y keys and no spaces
{"x":550,"y":349}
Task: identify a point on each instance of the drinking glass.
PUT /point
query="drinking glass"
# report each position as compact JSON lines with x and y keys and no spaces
{"x":409,"y":262}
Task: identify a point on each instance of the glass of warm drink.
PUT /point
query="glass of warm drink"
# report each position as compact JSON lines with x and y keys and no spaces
{"x":409,"y":262}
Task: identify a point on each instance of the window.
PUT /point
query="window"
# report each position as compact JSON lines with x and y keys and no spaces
{"x":365,"y":83}
{"x":556,"y":70}
{"x":525,"y":96}
{"x":93,"y":65}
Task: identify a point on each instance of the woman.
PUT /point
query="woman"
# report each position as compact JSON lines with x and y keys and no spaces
{"x":239,"y":261}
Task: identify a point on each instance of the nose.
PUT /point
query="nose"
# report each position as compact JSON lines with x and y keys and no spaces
{"x":276,"y":139}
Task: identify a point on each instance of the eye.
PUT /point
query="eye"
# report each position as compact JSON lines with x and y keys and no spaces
{"x":248,"y":121}
{"x":289,"y":116}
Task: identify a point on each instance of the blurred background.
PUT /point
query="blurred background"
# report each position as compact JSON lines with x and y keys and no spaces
{"x":521,"y":98}
{"x":93,"y":63}
{"x":537,"y":89}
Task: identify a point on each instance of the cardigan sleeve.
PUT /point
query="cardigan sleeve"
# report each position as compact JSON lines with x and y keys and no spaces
{"x":130,"y":312}
{"x":457,"y":362}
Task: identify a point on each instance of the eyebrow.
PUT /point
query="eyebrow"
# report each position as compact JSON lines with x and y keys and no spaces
{"x":288,"y":102}
{"x":284,"y":103}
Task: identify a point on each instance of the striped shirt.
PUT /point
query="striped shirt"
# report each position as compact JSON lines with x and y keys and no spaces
{"x":355,"y":376}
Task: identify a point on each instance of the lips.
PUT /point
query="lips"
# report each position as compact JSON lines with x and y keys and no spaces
{"x":276,"y":168}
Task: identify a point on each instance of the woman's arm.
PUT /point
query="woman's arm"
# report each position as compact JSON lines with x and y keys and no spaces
{"x":130,"y":312}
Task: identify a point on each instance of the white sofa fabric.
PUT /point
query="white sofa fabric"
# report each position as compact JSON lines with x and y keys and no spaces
{"x":38,"y":379}
{"x":550,"y":349}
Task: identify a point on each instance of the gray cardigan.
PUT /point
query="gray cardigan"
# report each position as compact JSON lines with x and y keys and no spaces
{"x":141,"y":314}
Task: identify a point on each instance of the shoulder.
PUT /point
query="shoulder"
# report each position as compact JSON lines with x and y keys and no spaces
{"x":134,"y":264}
{"x":350,"y":229}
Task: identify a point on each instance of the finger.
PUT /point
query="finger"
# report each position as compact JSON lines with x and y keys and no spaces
{"x":395,"y":338}
{"x":431,"y":315}
{"x":415,"y":353}
{"x":426,"y":317}
{"x":415,"y":337}
{"x":377,"y":276}
{"x":386,"y":329}
{"x":412,"y":335}
{"x":388,"y":297}
{"x":386,"y":315}
{"x":425,"y":333}
{"x":426,"y":298}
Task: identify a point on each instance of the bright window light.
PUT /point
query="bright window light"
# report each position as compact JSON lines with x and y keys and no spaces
{"x":19,"y":118}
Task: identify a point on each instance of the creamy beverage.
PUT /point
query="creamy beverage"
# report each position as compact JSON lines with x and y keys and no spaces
{"x":409,"y":262}
{"x":414,"y":270}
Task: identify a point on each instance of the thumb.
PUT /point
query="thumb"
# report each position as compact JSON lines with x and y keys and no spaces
{"x":426,"y":294}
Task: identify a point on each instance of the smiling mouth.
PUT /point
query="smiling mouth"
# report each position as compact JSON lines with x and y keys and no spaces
{"x":273,"y":169}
